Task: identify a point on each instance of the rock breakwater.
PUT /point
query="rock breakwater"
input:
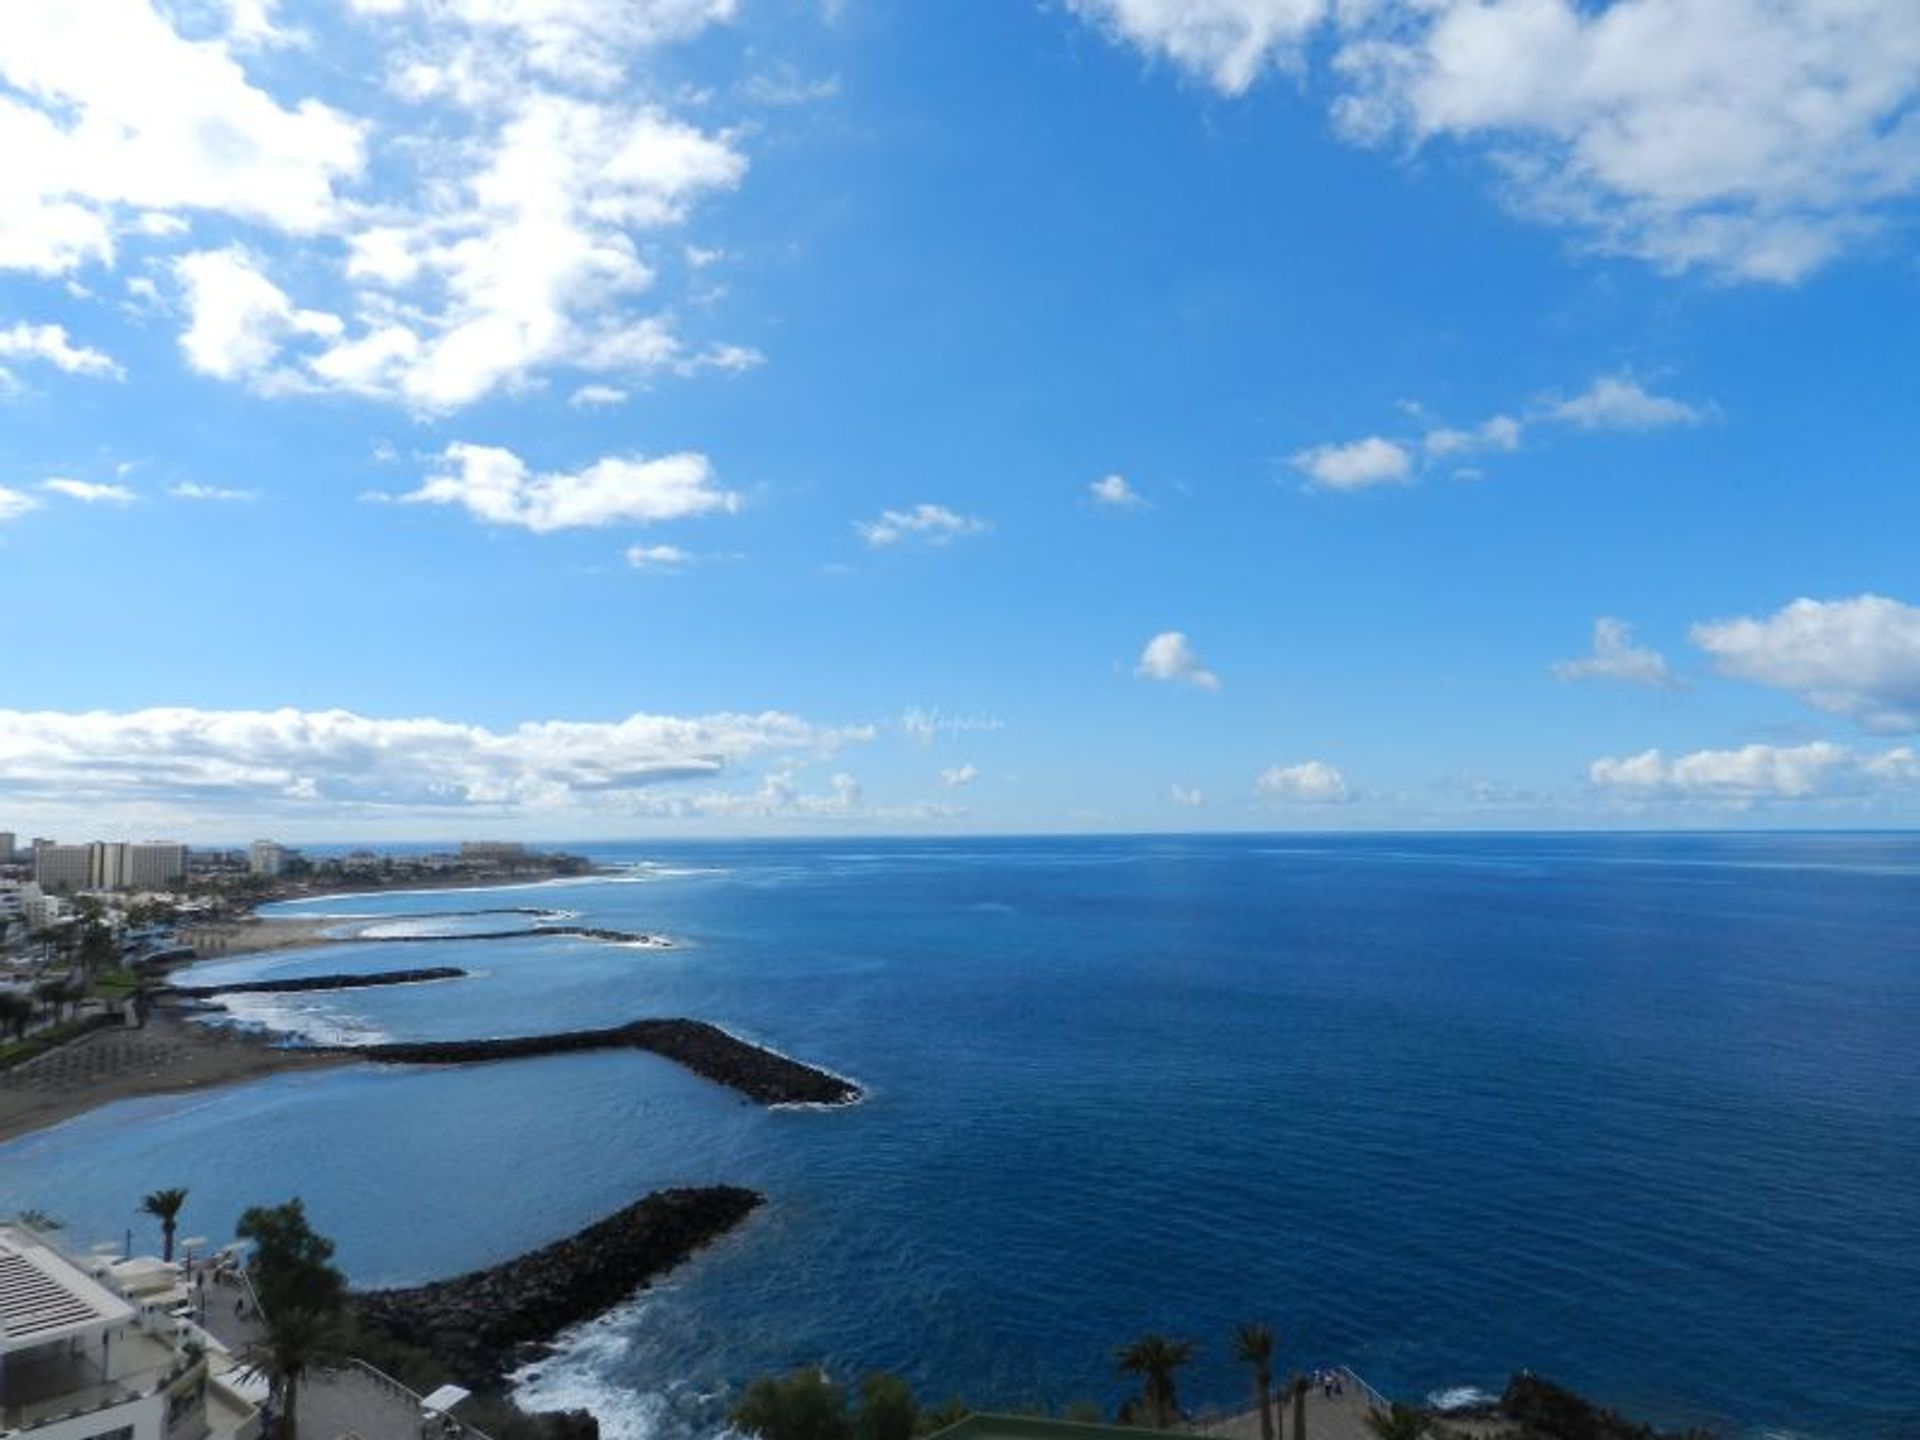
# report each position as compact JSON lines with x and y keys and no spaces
{"x":483,"y":1324}
{"x":317,"y":982}
{"x":707,"y":1050}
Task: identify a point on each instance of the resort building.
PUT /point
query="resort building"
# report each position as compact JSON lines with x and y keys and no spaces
{"x":154,"y":866}
{"x":265,"y":858}
{"x":104,"y":1350}
{"x":62,"y":867}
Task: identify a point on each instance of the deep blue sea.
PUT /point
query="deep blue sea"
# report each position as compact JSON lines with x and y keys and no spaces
{"x":1638,"y":1112}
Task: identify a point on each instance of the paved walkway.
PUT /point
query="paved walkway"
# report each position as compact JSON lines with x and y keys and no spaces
{"x":1337,"y":1417}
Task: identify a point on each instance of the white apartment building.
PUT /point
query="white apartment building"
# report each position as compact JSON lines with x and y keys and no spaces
{"x":7,"y":841}
{"x":99,"y":1351}
{"x":154,"y":866}
{"x":63,"y":867}
{"x":109,"y":865}
{"x":264,"y":857}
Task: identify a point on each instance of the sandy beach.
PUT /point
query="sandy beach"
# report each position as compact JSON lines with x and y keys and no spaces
{"x":172,"y":1054}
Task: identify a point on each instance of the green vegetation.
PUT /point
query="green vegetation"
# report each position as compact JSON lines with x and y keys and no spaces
{"x":300,"y":1292}
{"x":1155,"y":1359}
{"x":1253,"y":1347}
{"x":164,"y":1206}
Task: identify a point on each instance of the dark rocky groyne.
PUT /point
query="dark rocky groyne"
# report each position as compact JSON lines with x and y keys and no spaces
{"x":316,"y":982}
{"x":575,"y":932}
{"x":483,"y":1324}
{"x":705,"y":1049}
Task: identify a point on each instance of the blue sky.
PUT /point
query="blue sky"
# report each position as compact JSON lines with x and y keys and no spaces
{"x":567,"y":419}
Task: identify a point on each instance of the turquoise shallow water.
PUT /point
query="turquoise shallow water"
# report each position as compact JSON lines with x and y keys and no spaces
{"x":1638,"y":1112}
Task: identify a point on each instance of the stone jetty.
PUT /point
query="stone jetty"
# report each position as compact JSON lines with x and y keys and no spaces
{"x":483,"y":1324}
{"x":316,"y":982}
{"x":707,"y":1050}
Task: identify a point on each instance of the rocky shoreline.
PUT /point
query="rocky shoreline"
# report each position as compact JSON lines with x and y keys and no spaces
{"x":705,"y":1049}
{"x":483,"y":1324}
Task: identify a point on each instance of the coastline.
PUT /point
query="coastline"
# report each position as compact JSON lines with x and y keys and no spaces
{"x":171,"y":1056}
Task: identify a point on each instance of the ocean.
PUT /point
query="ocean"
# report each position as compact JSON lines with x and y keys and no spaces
{"x":1640,"y":1113}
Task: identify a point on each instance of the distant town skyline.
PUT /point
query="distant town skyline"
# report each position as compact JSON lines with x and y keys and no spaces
{"x":695,"y":418}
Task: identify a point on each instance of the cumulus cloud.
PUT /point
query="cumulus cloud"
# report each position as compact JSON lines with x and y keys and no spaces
{"x":958,"y":776}
{"x":1114,"y":493}
{"x":496,"y":486}
{"x":1617,"y":402}
{"x":240,"y":320}
{"x":1170,"y":657}
{"x":150,"y":125}
{"x":89,"y":492}
{"x":292,"y":762}
{"x":1611,"y":402}
{"x":1859,"y":657}
{"x":1312,"y":782}
{"x":1756,"y":772}
{"x":217,"y":494}
{"x":1357,"y":465}
{"x":505,"y":233}
{"x":1187,"y":795}
{"x":1616,"y":657}
{"x":1746,"y":138}
{"x":49,"y":344}
{"x":929,"y":524}
{"x":15,"y":503}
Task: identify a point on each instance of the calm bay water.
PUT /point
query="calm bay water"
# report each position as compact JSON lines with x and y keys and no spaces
{"x":1641,"y":1113}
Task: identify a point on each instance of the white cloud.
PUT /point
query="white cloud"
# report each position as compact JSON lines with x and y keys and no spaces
{"x":150,"y":122}
{"x":929,"y":524}
{"x":1617,"y":402}
{"x":1169,"y":657}
{"x":1756,"y":772}
{"x":958,"y":776}
{"x":657,"y":557}
{"x":504,"y":234}
{"x":1358,"y":465}
{"x":15,"y":503}
{"x":1501,"y":432}
{"x":89,"y":492}
{"x":1114,"y":493}
{"x":240,"y":320}
{"x":49,"y":343}
{"x":1616,"y":657}
{"x":1312,"y":782}
{"x":496,"y":486}
{"x":322,"y":763}
{"x":1187,"y":795}
{"x":1859,"y":657}
{"x":597,"y":397}
{"x":1748,"y":138}
{"x":1229,"y":42}
{"x":193,"y":490}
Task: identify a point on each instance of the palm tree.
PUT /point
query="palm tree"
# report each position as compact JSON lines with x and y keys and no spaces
{"x":1154,"y":1358}
{"x":291,"y":1341}
{"x":1299,"y":1388}
{"x":1401,"y":1422}
{"x":1253,"y":1344}
{"x":164,"y":1206}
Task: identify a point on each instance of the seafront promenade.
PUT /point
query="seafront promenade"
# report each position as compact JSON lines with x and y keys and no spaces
{"x":1341,"y":1416}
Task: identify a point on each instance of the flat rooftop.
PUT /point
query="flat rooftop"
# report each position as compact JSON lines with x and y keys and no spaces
{"x":44,"y":1297}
